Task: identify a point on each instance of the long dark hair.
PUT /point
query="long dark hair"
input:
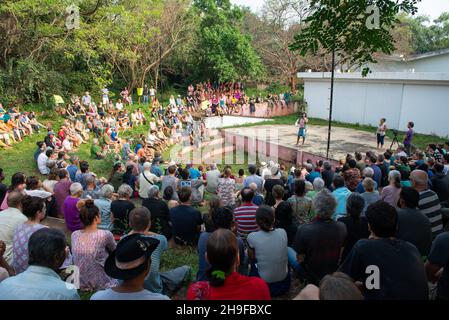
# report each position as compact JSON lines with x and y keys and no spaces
{"x":18,"y":178}
{"x":222,"y":250}
{"x":128,"y":174}
{"x":115,"y":168}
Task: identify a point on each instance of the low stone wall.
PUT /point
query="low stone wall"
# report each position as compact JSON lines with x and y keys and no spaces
{"x":268,"y":150}
{"x":268,"y":110}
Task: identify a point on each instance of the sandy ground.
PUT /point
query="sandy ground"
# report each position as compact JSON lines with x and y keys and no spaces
{"x":343,"y":141}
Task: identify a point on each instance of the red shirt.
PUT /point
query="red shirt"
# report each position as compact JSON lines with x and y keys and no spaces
{"x":61,"y":134}
{"x":235,"y":287}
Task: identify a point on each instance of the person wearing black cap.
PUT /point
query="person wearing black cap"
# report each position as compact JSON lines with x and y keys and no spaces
{"x":130,"y":262}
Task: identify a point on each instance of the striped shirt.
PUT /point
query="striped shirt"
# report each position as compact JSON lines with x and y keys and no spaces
{"x":430,"y":206}
{"x":245,"y":217}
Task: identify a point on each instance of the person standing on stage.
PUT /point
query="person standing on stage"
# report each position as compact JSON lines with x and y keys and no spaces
{"x":381,"y":131}
{"x":302,"y":122}
{"x":408,"y":138}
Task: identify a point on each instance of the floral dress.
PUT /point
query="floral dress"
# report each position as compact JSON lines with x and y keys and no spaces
{"x":90,"y":251}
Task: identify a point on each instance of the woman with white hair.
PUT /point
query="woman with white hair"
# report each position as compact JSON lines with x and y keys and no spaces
{"x":368,"y":172}
{"x":318,"y":185}
{"x":390,"y":194}
{"x":70,"y":208}
{"x":104,"y":204}
{"x":120,"y":210}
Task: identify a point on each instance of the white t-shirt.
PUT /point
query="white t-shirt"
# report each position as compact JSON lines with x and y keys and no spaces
{"x":152,"y":92}
{"x":144,"y":185}
{"x":110,"y":294}
{"x":271,"y":254}
{"x":10,"y":219}
{"x":119,"y":106}
{"x":38,"y":193}
{"x":266,"y":172}
{"x":42,"y":163}
{"x":66,"y":145}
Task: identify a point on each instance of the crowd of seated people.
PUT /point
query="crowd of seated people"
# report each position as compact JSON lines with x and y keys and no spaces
{"x":15,"y":125}
{"x":320,"y":224}
{"x":224,"y":98}
{"x":314,"y":222}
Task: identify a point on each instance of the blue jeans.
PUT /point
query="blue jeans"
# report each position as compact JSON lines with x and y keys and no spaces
{"x":145,"y":99}
{"x":276,"y":288}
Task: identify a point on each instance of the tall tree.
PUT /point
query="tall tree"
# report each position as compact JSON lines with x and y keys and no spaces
{"x":343,"y":28}
{"x":223,"y":51}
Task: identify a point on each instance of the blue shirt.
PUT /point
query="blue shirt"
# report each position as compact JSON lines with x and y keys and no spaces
{"x":126,"y":149}
{"x":156,"y":170}
{"x":258,"y":199}
{"x":72,"y":169}
{"x":360,"y":189}
{"x":37,"y":283}
{"x":312,"y":176}
{"x":377,"y":173}
{"x":153,"y":281}
{"x":37,"y":153}
{"x":194,"y":173}
{"x":105,"y":213}
{"x":341,"y":195}
{"x":253,"y":178}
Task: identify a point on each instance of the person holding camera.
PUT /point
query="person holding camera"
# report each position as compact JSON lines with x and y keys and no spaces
{"x":409,"y":138}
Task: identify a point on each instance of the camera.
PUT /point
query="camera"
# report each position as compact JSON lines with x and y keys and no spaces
{"x":395,"y":132}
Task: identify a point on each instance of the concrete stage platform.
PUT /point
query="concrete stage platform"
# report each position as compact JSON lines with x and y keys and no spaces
{"x":343,"y":141}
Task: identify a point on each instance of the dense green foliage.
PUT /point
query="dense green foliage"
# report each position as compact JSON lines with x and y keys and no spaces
{"x":342,"y":26}
{"x":176,"y":42}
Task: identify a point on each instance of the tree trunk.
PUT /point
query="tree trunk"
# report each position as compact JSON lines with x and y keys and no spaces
{"x":293,"y":81}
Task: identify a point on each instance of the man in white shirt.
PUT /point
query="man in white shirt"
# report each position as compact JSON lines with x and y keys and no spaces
{"x":42,"y":162}
{"x":212,"y":177}
{"x":10,"y":219}
{"x":146,"y":180}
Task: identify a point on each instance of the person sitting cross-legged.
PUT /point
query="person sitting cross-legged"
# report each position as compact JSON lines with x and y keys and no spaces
{"x":268,"y":252}
{"x":91,"y":247}
{"x":40,"y":281}
{"x":131,"y":263}
{"x":159,"y":282}
{"x":186,"y":220}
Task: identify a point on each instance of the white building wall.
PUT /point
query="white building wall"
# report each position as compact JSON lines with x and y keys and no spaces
{"x":365,"y":102}
{"x":438,"y":63}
